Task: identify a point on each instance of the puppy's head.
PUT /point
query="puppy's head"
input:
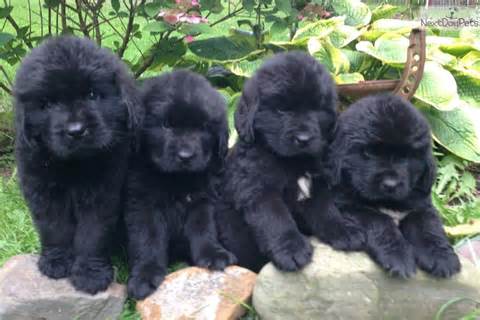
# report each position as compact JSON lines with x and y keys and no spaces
{"x":382,"y":149}
{"x":185,"y":127}
{"x":74,"y":98}
{"x":288,"y":105}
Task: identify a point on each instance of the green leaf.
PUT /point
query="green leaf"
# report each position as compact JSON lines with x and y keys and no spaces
{"x":279,"y":26}
{"x":343,"y":35}
{"x":359,"y":61}
{"x":223,"y":48}
{"x":349,"y":78}
{"x":471,"y":61}
{"x":356,"y":13}
{"x":468,"y":87}
{"x":156,"y":26}
{"x":384,"y":11}
{"x":383,"y":26}
{"x":6,"y":37}
{"x":249,"y":5}
{"x":333,"y":58}
{"x":437,"y":87}
{"x":5,"y":11}
{"x":318,"y":29}
{"x":168,"y":53}
{"x":389,"y":48}
{"x":152,"y":9}
{"x":284,"y":6}
{"x":245,"y":68}
{"x":115,"y":5}
{"x":456,"y":130}
{"x":195,"y":28}
{"x":214,"y":6}
{"x":435,"y":54}
{"x":455,"y":46}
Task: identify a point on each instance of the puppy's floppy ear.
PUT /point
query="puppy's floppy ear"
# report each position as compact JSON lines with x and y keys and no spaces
{"x":23,"y":131}
{"x":130,"y":98}
{"x":245,"y":115}
{"x":335,"y":156}
{"x":223,"y":139}
{"x":427,"y":178}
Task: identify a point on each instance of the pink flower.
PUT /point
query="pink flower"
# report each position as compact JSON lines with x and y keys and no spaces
{"x":300,"y":17}
{"x":195,"y":3}
{"x":189,"y":39}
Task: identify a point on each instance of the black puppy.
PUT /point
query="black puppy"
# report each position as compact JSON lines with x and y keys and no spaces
{"x":172,"y":182}
{"x":382,"y":175}
{"x":284,"y":119}
{"x":75,"y":115}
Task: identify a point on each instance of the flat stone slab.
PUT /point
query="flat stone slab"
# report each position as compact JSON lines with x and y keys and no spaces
{"x":200,"y":294}
{"x":339,"y":285}
{"x":27,"y":294}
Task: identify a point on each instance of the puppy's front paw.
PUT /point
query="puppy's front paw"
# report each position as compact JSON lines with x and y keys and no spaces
{"x":215,"y":258}
{"x":399,"y":262}
{"x":343,"y":238}
{"x":56,"y":264}
{"x":144,"y":280}
{"x":91,"y":275}
{"x":293,"y":252}
{"x":439,"y":262}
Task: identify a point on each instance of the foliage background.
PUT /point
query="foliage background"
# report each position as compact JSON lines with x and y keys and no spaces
{"x":226,"y":40}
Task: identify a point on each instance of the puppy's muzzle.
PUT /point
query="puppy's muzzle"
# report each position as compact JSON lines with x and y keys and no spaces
{"x":302,"y":139}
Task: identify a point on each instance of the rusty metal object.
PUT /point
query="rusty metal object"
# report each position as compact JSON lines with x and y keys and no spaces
{"x":411,"y":76}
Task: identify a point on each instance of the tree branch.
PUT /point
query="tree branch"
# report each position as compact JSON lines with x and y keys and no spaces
{"x":5,"y":88}
{"x":228,"y":16}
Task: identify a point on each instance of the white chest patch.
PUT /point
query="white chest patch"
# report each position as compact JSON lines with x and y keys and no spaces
{"x":396,"y":215}
{"x":304,"y":187}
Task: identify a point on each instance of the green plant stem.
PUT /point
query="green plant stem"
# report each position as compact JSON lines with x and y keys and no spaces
{"x":228,"y":16}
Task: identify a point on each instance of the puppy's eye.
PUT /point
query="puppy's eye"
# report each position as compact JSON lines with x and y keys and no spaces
{"x":367,"y":153}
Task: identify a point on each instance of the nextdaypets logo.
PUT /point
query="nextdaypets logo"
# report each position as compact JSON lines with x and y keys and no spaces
{"x":450,"y":16}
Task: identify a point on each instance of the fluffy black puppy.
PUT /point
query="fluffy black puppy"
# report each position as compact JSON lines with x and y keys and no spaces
{"x":382,"y":174}
{"x":75,"y":115}
{"x":284,"y":119}
{"x":172,"y":181}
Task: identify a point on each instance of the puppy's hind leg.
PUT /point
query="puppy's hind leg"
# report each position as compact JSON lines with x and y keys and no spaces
{"x":433,"y":252}
{"x":200,"y":230}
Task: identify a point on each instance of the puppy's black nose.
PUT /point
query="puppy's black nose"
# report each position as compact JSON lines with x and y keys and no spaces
{"x":302,"y":139}
{"x":76,"y":129}
{"x":185,"y":154}
{"x":389,"y":185}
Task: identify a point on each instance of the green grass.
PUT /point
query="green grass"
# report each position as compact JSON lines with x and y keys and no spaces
{"x":17,"y":234}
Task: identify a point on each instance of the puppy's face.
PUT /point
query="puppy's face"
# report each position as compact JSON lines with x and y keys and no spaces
{"x":384,"y":149}
{"x":289,"y":105}
{"x":293,"y":129}
{"x":184,"y":132}
{"x":72,"y":98}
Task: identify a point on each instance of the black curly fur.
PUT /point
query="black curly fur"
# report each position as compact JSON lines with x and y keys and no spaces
{"x":284,"y":120}
{"x":381,"y":162}
{"x":172,"y":181}
{"x":75,"y":117}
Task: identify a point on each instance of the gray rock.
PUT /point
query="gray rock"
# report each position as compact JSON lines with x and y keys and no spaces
{"x":338,"y":285}
{"x":27,"y":294}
